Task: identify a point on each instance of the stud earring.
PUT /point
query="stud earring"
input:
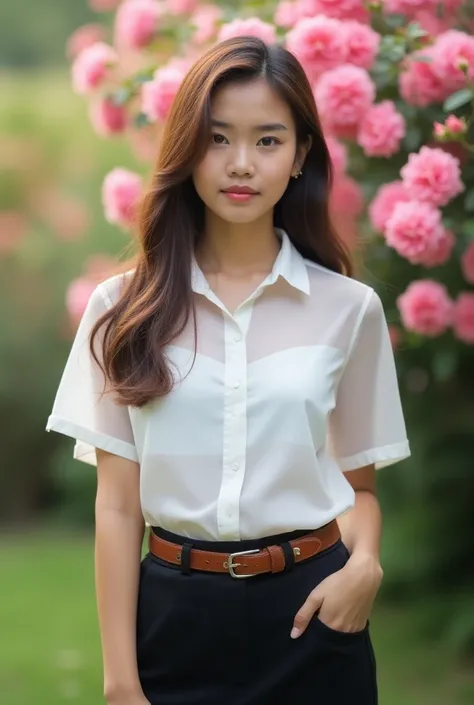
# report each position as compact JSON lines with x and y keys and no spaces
{"x":298,"y":174}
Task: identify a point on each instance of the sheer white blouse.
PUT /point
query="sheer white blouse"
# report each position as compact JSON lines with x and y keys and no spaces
{"x":293,"y":389}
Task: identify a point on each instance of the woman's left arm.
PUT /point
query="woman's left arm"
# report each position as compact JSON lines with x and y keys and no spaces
{"x":361,"y":526}
{"x":344,"y":599}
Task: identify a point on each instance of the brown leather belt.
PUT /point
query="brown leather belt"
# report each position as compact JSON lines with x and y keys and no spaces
{"x":249,"y":563}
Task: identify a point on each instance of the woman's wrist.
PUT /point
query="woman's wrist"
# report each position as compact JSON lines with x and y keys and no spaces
{"x":117,"y":690}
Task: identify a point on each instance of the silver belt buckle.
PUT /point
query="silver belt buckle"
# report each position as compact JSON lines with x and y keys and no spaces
{"x":230,"y":565}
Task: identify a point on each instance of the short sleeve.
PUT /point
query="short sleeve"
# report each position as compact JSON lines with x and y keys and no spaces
{"x":367,"y":424}
{"x":78,"y":409}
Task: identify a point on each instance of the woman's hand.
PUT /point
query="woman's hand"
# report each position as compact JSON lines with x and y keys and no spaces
{"x":344,"y":599}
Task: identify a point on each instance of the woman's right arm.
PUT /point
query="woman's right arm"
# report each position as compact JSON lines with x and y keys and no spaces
{"x":118,"y":542}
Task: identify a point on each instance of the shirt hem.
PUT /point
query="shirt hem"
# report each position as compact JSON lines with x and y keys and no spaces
{"x":88,"y":440}
{"x":380,"y":457}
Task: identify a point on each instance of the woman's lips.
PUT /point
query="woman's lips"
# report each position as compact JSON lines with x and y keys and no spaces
{"x":239,"y":197}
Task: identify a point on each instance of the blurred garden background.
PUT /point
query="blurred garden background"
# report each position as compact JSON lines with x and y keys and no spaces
{"x":85,"y":88}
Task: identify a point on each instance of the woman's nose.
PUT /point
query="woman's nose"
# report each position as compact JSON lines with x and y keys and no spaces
{"x":241,"y":163}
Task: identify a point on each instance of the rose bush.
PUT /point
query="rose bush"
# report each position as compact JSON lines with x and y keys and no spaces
{"x":394,"y":82}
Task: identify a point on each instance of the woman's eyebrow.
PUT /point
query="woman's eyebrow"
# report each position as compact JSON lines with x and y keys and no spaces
{"x":268,"y":127}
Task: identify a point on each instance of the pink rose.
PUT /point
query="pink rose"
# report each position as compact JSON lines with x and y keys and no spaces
{"x":137,"y":23}
{"x":451,"y":49}
{"x":343,"y":96}
{"x":341,"y":9}
{"x":92,"y":67}
{"x":381,"y":130}
{"x":107,"y":118}
{"x":385,"y":200}
{"x":413,"y":230}
{"x":286,"y":14}
{"x":455,"y":125}
{"x":441,"y":251}
{"x":463,"y":317}
{"x":205,"y":21}
{"x":362,"y":44}
{"x":425,"y":307}
{"x":419,"y":84}
{"x":78,"y":294}
{"x":346,"y":196}
{"x":318,"y":43}
{"x":82,"y":38}
{"x":409,"y":7}
{"x":120,"y":193}
{"x":158,"y":95}
{"x":181,"y":7}
{"x":432,"y":175}
{"x":467,"y":263}
{"x":337,"y":152}
{"x":252,"y":27}
{"x":433,"y":24}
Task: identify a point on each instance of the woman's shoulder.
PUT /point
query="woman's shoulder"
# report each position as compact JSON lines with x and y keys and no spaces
{"x":111,"y":289}
{"x":332,"y":285}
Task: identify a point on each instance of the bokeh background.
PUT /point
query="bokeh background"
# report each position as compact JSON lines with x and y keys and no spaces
{"x":60,"y":148}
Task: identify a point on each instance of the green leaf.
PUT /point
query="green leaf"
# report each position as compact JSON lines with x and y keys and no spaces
{"x":140,"y":120}
{"x":468,"y":228}
{"x":121,"y":96}
{"x":457,"y":99}
{"x":415,"y":31}
{"x":469,"y":201}
{"x":444,"y":364}
{"x":413,"y":138}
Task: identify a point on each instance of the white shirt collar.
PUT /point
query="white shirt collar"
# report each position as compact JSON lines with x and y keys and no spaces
{"x":289,"y":264}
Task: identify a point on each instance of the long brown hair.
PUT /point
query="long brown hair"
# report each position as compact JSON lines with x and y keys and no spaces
{"x":157,"y":301}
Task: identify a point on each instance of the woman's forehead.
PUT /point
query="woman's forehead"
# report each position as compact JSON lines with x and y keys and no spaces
{"x":251,"y":102}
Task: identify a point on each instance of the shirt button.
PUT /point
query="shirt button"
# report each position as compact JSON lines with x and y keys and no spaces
{"x":237,"y":337}
{"x":236,"y":384}
{"x":235,"y":467}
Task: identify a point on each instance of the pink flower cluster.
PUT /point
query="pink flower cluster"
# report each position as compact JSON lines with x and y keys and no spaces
{"x":137,"y":22}
{"x":406,"y":211}
{"x":158,"y":95}
{"x":253,"y":27}
{"x":289,"y":12}
{"x":344,"y":96}
{"x":426,"y":308}
{"x":120,"y":193}
{"x":322,"y":43}
{"x":433,"y":175}
{"x":449,"y":61}
{"x":92,"y":67}
{"x":381,"y":130}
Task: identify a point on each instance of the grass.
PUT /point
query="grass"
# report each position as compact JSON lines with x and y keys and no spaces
{"x":50,"y":651}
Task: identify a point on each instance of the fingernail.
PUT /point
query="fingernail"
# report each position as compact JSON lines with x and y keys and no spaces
{"x":295,"y":633}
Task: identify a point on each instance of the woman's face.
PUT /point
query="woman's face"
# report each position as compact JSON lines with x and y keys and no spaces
{"x":253,"y":144}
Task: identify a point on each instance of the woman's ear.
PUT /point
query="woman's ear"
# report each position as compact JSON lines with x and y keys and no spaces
{"x":303,"y":152}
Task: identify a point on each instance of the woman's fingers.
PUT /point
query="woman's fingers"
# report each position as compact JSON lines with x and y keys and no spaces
{"x":305,"y":613}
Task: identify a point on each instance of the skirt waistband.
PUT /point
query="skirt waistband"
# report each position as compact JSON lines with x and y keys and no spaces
{"x":231,"y":546}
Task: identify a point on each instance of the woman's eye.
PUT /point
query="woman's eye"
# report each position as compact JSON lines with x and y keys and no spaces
{"x":275,"y":141}
{"x":217,"y":139}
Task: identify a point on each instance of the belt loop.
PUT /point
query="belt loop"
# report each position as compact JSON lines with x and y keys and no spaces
{"x":289,"y":555}
{"x":186,"y":558}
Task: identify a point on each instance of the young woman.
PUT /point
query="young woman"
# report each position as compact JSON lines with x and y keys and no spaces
{"x":250,"y":395}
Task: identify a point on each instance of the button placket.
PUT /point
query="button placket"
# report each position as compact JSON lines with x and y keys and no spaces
{"x":235,"y":430}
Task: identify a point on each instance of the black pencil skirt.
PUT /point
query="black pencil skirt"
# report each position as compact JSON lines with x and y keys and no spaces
{"x":209,"y":639}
